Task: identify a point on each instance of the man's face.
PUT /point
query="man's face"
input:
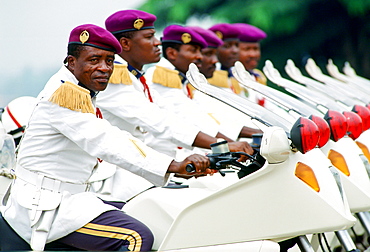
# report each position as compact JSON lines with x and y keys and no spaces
{"x":228,"y":53}
{"x":145,"y":48}
{"x":187,"y":54}
{"x":250,"y":54}
{"x":208,"y":63}
{"x":93,"y":67}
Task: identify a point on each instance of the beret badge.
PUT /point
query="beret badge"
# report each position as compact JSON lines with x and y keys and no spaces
{"x":219,"y":34}
{"x":186,"y":38}
{"x":84,"y":36}
{"x":138,"y":23}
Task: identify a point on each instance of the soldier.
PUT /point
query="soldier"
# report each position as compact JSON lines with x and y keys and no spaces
{"x":228,"y":54}
{"x":182,"y":46}
{"x":250,"y":49}
{"x":250,"y":55}
{"x":209,"y":54}
{"x":128,"y":102}
{"x":126,"y":108}
{"x":62,"y":146}
{"x":231,"y":119}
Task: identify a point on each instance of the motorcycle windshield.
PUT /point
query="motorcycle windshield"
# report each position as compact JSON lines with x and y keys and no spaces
{"x":245,"y":106}
{"x":315,"y":99}
{"x":285,"y":100}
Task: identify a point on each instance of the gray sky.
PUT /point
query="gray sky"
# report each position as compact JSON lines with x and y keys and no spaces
{"x":34,"y":35}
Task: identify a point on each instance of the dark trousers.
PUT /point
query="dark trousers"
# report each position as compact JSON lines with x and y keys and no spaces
{"x":112,"y":230}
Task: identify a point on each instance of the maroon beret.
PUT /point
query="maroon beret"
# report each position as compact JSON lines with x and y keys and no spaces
{"x":129,"y":20}
{"x":209,"y":36}
{"x":182,"y":35}
{"x":250,"y":33}
{"x":225,"y":31}
{"x":95,"y":36}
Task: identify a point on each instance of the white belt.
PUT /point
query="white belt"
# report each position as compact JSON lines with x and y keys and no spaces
{"x":49,"y":183}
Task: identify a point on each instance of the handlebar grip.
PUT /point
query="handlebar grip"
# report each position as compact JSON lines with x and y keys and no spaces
{"x":190,"y":168}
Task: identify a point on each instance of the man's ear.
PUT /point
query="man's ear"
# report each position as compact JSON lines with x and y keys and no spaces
{"x":71,"y":62}
{"x":125,"y":44}
{"x":171,"y":53}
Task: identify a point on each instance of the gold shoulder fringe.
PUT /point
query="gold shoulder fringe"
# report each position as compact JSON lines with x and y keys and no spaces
{"x":219,"y":79}
{"x":73,"y":97}
{"x":120,"y":75}
{"x":261,"y":78}
{"x":237,"y":88}
{"x":167,"y":77}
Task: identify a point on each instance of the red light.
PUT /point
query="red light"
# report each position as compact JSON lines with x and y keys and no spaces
{"x":354,"y":122}
{"x":368,"y":105}
{"x":304,"y":134}
{"x":324,"y":130}
{"x":337,"y":123}
{"x":364,"y":113}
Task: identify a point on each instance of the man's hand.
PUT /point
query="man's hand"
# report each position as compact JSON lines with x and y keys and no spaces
{"x":201,"y":164}
{"x":241,"y":146}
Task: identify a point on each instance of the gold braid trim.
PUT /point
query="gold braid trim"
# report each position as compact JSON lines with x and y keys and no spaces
{"x":238,"y":89}
{"x":120,"y":75}
{"x":137,"y":145}
{"x":167,"y":77}
{"x":73,"y":97}
{"x":219,"y":79}
{"x":214,"y":118}
{"x":261,"y":78}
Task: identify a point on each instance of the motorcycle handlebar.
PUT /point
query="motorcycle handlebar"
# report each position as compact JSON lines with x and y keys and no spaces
{"x":219,"y":161}
{"x":223,"y":160}
{"x":190,"y":168}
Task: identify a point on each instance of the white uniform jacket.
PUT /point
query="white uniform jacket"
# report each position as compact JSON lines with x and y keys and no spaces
{"x":125,"y":106}
{"x":56,"y":159}
{"x":177,"y":100}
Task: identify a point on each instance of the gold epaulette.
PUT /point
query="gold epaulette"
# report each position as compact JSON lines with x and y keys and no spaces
{"x":219,"y":79}
{"x":73,"y":97}
{"x":120,"y":75}
{"x":261,"y":78}
{"x":167,"y":77}
{"x":237,"y":88}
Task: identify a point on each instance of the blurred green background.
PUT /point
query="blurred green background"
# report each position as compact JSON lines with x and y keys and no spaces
{"x":297,"y":29}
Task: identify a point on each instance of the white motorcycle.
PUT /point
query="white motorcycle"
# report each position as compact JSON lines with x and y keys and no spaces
{"x":282,"y":193}
{"x":343,"y":147}
{"x":290,"y":195}
{"x":315,"y":72}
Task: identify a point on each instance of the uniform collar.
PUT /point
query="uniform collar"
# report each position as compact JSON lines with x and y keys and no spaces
{"x":92,"y":93}
{"x":166,"y":63}
{"x":253,"y":73}
{"x":182,"y":77}
{"x":229,"y":73}
{"x":134,"y":71}
{"x":70,"y":77}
